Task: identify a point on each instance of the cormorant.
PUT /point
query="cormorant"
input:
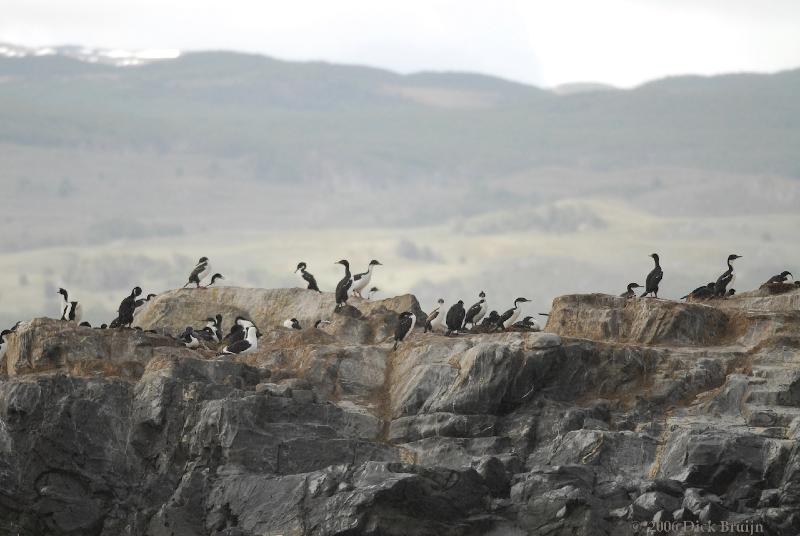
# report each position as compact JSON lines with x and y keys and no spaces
{"x":85,"y":325}
{"x":248,"y":344}
{"x":780,"y":278}
{"x":188,"y":338}
{"x":126,"y":309}
{"x":528,"y":323}
{"x":215,"y":325}
{"x":653,"y":278}
{"x":292,"y":323}
{"x":455,"y":317}
{"x":360,"y":281}
{"x":477,"y":311}
{"x":702,"y":293}
{"x":630,"y":293}
{"x":344,"y":285}
{"x":725,"y":279}
{"x":491,"y":321}
{"x":405,"y":324}
{"x":435,"y":319}
{"x":200,"y":271}
{"x":307,"y":277}
{"x":70,"y":310}
{"x":508,"y":318}
{"x":214,"y":279}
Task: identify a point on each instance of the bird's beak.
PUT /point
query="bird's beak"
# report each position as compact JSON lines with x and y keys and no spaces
{"x":295,"y":271}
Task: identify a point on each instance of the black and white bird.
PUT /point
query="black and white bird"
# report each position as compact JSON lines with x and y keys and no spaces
{"x":508,"y":318}
{"x":372,"y":291}
{"x":701,"y":293}
{"x":780,"y":278}
{"x":201,"y":270}
{"x":528,"y":323}
{"x":126,"y":309}
{"x":727,"y":277}
{"x":248,"y":344}
{"x":343,"y":287}
{"x":477,"y":311}
{"x":653,"y":278}
{"x":70,"y":310}
{"x":307,"y":277}
{"x":4,"y":342}
{"x":455,"y":317}
{"x":239,"y":330}
{"x":292,"y":323}
{"x":214,"y":323}
{"x":214,"y":279}
{"x":435,"y":319}
{"x":405,"y":325}
{"x":360,"y":281}
{"x":189,"y":338}
{"x":630,"y":293}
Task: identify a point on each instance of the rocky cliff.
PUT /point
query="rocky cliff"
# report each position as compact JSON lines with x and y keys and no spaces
{"x":621,"y":412}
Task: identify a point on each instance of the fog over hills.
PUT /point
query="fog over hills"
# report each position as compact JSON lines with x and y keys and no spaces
{"x":114,"y":176}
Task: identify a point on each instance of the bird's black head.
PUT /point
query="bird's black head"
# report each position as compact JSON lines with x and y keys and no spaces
{"x":461,"y":302}
{"x":137,"y":291}
{"x":343,"y":262}
{"x":482,"y":294}
{"x":294,"y":320}
{"x":733,"y":257}
{"x":521,"y":300}
{"x":85,"y":324}
{"x":300,"y":266}
{"x":150,"y":296}
{"x":219,"y":318}
{"x":202,"y":260}
{"x":63,"y":293}
{"x":655,"y":256}
{"x":103,"y":326}
{"x":373,"y":262}
{"x":440,"y":301}
{"x":633,"y":285}
{"x":494,"y":314}
{"x":527,"y":319}
{"x":374,"y":289}
{"x":216,"y":276}
{"x":5,"y":332}
{"x":731,"y":291}
{"x":786,"y":272}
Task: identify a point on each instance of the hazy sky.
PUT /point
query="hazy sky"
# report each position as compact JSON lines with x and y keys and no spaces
{"x":622,"y":42}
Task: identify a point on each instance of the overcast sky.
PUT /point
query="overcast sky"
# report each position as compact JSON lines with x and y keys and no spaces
{"x":621,"y":42}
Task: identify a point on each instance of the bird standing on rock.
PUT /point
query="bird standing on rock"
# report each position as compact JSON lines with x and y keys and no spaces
{"x":405,"y":325}
{"x":307,"y":277}
{"x":721,"y":286}
{"x":701,"y":293}
{"x":215,"y":325}
{"x":126,"y":309}
{"x":653,"y":278}
{"x":343,"y":287}
{"x":455,"y":317}
{"x":70,"y":310}
{"x":360,"y":281}
{"x":476,"y":312}
{"x":435,"y":320}
{"x":630,"y":292}
{"x":201,"y":270}
{"x":508,"y":318}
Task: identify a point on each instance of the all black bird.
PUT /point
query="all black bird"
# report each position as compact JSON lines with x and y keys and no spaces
{"x":455,"y":317}
{"x":653,"y":278}
{"x":201,"y":270}
{"x":343,"y":287}
{"x":780,"y":278}
{"x":312,"y":282}
{"x":508,"y":318}
{"x":702,"y":293}
{"x":630,"y":293}
{"x":721,"y":286}
{"x":126,"y":309}
{"x":405,"y":324}
{"x":214,"y":279}
{"x":476,"y":312}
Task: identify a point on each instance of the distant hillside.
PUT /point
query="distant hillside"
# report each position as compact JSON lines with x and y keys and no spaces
{"x":306,"y":120}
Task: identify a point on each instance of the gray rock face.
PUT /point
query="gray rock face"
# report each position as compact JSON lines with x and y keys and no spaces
{"x":638,"y":410}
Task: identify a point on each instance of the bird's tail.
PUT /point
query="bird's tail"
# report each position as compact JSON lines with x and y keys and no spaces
{"x":644,"y":294}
